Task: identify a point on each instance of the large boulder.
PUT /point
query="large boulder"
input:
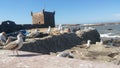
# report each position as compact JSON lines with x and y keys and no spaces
{"x":61,"y":42}
{"x":89,"y":34}
{"x":52,"y":43}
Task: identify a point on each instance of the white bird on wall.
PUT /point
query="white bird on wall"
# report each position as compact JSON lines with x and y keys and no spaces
{"x":88,"y":44}
{"x":60,"y":27}
{"x":15,"y":45}
{"x":2,"y":38}
{"x":49,"y":29}
{"x":34,"y":34}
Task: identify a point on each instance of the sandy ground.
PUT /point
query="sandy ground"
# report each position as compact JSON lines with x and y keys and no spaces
{"x":96,"y":52}
{"x":34,"y":60}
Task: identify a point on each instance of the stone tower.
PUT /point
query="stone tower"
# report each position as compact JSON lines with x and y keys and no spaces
{"x":43,"y":18}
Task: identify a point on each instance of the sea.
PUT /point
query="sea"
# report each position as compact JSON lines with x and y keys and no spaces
{"x":109,"y":31}
{"x":106,"y":31}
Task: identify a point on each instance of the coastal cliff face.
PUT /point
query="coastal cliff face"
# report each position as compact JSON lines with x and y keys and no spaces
{"x":61,"y":42}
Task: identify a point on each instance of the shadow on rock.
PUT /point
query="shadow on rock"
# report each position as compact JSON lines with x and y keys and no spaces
{"x":25,"y":55}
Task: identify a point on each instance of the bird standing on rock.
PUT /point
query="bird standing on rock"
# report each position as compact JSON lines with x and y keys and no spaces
{"x":49,"y":30}
{"x":88,"y":44}
{"x":2,"y":38}
{"x":34,"y":34}
{"x":15,"y":45}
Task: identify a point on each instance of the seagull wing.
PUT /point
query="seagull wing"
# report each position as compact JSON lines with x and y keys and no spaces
{"x":11,"y":45}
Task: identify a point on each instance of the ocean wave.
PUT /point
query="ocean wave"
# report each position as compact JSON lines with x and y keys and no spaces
{"x":109,"y":35}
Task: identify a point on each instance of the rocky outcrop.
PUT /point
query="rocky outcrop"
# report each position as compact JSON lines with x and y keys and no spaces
{"x":52,"y":43}
{"x":61,"y":42}
{"x":90,"y":34}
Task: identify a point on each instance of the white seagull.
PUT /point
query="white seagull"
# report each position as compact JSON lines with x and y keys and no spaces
{"x":33,"y":34}
{"x":49,"y":29}
{"x":88,"y":44}
{"x":66,"y":54}
{"x":15,"y":45}
{"x":60,"y":27}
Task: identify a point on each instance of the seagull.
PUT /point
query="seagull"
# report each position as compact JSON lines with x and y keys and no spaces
{"x":49,"y":29}
{"x":88,"y":44}
{"x":101,"y":41}
{"x":60,"y":27}
{"x":3,"y":38}
{"x":15,"y":45}
{"x":10,"y":39}
{"x":63,"y":54}
{"x":34,"y":34}
{"x":66,"y":54}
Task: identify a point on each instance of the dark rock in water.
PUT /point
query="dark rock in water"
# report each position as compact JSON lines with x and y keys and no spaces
{"x":111,"y":41}
{"x":61,"y":42}
{"x":109,"y":29}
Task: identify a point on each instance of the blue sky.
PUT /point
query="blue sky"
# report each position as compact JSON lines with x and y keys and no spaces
{"x":67,"y":11}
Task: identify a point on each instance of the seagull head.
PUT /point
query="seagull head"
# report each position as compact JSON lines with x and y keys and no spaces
{"x":19,"y":35}
{"x":3,"y":33}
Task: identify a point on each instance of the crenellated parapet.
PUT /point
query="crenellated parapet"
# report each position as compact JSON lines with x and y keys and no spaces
{"x":43,"y":17}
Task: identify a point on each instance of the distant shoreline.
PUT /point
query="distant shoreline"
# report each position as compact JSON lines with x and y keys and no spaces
{"x":98,"y":24}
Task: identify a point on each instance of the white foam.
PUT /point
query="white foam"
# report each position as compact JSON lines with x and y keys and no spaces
{"x":109,"y":35}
